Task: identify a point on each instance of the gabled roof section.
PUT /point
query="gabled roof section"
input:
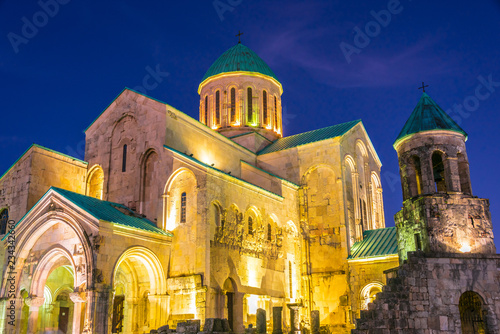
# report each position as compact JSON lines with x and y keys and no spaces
{"x":111,"y":212}
{"x":376,"y":243}
{"x":236,"y":59}
{"x":309,"y":137}
{"x":428,"y":116}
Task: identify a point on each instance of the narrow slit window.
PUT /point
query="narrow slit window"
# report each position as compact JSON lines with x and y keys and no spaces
{"x":217,"y":107}
{"x":124,"y":158}
{"x":269,"y":232}
{"x":233,"y":105}
{"x":4,"y":218}
{"x":183,"y":207}
{"x":275,"y":112}
{"x":264,"y":107}
{"x":250,"y":225}
{"x":205,"y":115}
{"x":249,"y":105}
{"x":418,"y":242}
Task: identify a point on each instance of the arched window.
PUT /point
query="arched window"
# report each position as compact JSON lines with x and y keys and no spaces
{"x":275,"y":113}
{"x":290,"y":277}
{"x":4,"y":219}
{"x":233,"y":105}
{"x":95,"y":182}
{"x":264,"y":107}
{"x":269,"y":232}
{"x":183,"y":207}
{"x":369,"y":293}
{"x":250,"y":225}
{"x":205,"y":115}
{"x":124,"y":158}
{"x":438,"y":171}
{"x":249,"y":105}
{"x":471,"y":313}
{"x":217,"y":107}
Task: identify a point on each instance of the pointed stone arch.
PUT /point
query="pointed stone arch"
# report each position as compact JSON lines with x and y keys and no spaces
{"x":95,"y":182}
{"x":149,"y":189}
{"x":137,"y":271}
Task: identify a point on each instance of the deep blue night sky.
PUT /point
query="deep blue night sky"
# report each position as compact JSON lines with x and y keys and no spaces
{"x":65,"y":73}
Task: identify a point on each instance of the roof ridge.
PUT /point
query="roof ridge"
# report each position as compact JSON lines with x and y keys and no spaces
{"x":294,"y":140}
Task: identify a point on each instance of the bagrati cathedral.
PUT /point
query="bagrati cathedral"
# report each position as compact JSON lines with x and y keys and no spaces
{"x":169,"y":219}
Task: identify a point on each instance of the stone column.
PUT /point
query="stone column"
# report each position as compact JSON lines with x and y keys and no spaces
{"x":78,"y":298}
{"x":101,"y":309}
{"x":277,"y":322}
{"x":294,"y":318}
{"x":34,"y":304}
{"x":261,"y":321}
{"x":315,"y":322}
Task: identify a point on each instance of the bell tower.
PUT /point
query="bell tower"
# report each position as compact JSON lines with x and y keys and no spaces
{"x":439,"y":213}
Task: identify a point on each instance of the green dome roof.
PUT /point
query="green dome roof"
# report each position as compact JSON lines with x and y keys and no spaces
{"x":239,"y":58}
{"x":428,"y":116}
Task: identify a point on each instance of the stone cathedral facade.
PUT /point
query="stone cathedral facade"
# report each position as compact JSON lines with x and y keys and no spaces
{"x":171,"y":219}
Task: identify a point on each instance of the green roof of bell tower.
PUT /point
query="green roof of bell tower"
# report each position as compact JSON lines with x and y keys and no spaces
{"x":428,"y":116}
{"x":239,"y":58}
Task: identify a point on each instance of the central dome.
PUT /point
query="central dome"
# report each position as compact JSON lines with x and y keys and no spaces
{"x":237,"y":59}
{"x":240,"y":98}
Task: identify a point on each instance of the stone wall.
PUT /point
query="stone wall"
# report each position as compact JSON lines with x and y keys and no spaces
{"x":422,"y":295}
{"x":366,"y":273}
{"x":34,"y":173}
{"x":445,"y":223}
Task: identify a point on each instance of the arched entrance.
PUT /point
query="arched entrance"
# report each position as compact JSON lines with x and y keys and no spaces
{"x":139,"y":302}
{"x":233,"y":310}
{"x":53,"y":282}
{"x":472,"y":315}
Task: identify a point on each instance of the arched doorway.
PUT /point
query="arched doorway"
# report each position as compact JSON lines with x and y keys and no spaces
{"x":230,"y":290}
{"x":471,"y":313}
{"x":55,"y":277}
{"x":139,"y":302}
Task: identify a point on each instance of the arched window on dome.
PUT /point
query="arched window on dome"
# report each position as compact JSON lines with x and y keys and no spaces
{"x":233,"y":105}
{"x":264,"y":107}
{"x":249,"y":105}
{"x":217,"y":107}
{"x":205,"y":115}
{"x":275,"y":113}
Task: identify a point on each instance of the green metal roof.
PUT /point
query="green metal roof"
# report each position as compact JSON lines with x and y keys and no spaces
{"x":309,"y":137}
{"x":112,"y":212}
{"x":239,"y":58}
{"x":426,"y":116}
{"x":376,"y":243}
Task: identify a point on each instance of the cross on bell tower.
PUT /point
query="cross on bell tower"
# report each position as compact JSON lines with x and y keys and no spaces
{"x":423,"y":87}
